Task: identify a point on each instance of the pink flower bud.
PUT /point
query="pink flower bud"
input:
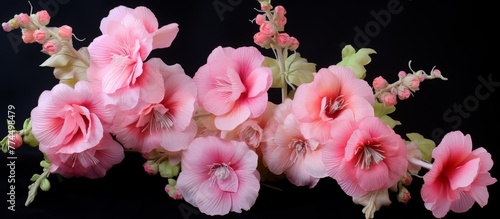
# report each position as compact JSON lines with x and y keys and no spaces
{"x":281,"y":23}
{"x":436,"y":72}
{"x":403,"y":93}
{"x":43,"y":17}
{"x":388,"y":99}
{"x":150,"y":169}
{"x":23,"y":19}
{"x":379,"y":83}
{"x":51,"y":47}
{"x":404,"y":195}
{"x":6,"y":27}
{"x":259,"y":19}
{"x":411,"y":81}
{"x":65,"y":32}
{"x":294,"y":44}
{"x":279,"y":11}
{"x":407,"y":180}
{"x":15,"y":141}
{"x":267,"y":29}
{"x":402,"y":74}
{"x":40,"y":36}
{"x":13,"y":23}
{"x":261,"y":39}
{"x":283,"y":40}
{"x":28,"y":36}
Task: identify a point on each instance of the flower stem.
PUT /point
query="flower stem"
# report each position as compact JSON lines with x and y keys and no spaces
{"x":420,"y":163}
{"x":33,"y":188}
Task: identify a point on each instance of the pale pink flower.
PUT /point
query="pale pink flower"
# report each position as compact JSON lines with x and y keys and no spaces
{"x":233,"y":85}
{"x":71,"y":125}
{"x":458,"y":177}
{"x":117,"y":57}
{"x":365,"y":156}
{"x":167,"y":123}
{"x":143,"y":18}
{"x":334,"y":94}
{"x":286,"y":150}
{"x":91,"y":163}
{"x":219,"y":176}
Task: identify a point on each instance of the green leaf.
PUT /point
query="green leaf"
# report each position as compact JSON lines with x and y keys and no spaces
{"x":356,"y":60}
{"x":298,"y":70}
{"x":68,"y":68}
{"x":274,"y":66}
{"x":381,"y":111}
{"x":45,"y":185}
{"x":424,"y":145}
{"x":34,"y":177}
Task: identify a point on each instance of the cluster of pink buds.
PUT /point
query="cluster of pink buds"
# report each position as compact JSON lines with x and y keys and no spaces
{"x":271,"y":28}
{"x":34,"y":29}
{"x":402,"y":89}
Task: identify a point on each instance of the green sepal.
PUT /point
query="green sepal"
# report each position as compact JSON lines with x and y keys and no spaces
{"x":424,"y":145}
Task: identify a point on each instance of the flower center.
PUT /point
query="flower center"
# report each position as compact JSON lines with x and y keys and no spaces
{"x":155,"y":117}
{"x":368,"y":154}
{"x":334,"y":105}
{"x":219,"y":171}
{"x":299,"y":149}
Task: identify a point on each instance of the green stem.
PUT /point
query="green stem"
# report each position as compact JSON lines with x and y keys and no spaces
{"x":33,"y":188}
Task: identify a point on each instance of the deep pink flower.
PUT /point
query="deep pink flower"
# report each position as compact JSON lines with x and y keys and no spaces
{"x":365,"y":156}
{"x":219,"y":176}
{"x":233,"y":85}
{"x":334,"y":94}
{"x":167,"y":123}
{"x":71,"y":125}
{"x":458,"y":177}
{"x":286,"y":150}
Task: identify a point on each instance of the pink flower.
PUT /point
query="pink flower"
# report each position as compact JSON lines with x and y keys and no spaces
{"x":233,"y":85}
{"x":219,"y":176}
{"x":334,"y":94}
{"x":458,"y":177}
{"x":167,"y":123}
{"x":91,"y":163}
{"x":71,"y":125}
{"x":142,"y":18}
{"x":286,"y":150}
{"x":365,"y":156}
{"x":117,"y":57}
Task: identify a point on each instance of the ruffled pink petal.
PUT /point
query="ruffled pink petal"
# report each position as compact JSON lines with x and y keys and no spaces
{"x":374,"y":178}
{"x":213,"y":201}
{"x":163,"y":37}
{"x":464,"y":175}
{"x":151,"y":83}
{"x":299,"y":176}
{"x":115,"y":14}
{"x":318,"y":130}
{"x":178,"y":140}
{"x":313,"y":164}
{"x":235,"y":117}
{"x":257,"y":105}
{"x":248,"y":191}
{"x":146,"y":17}
{"x":230,"y":184}
{"x":259,"y":81}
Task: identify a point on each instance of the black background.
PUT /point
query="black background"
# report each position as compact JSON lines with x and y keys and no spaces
{"x":456,"y":37}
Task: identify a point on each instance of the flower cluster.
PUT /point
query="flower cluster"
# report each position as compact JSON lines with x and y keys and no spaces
{"x":216,"y":137}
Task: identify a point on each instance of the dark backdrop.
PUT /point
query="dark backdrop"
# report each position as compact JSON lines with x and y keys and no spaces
{"x":456,"y":37}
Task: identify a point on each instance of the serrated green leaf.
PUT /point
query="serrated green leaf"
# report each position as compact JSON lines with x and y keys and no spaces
{"x":424,"y":145}
{"x":45,"y":185}
{"x":356,"y":60}
{"x":298,"y":70}
{"x":273,"y":65}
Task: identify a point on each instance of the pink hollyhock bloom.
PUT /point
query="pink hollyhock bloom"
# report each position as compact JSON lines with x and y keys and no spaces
{"x":252,"y":130}
{"x":117,"y":57}
{"x":71,"y":125}
{"x":162,"y":37}
{"x":233,"y":85}
{"x":334,"y":94}
{"x":286,"y":150}
{"x":91,"y":163}
{"x":365,"y":156}
{"x":219,"y":176}
{"x":167,"y":123}
{"x":458,"y":177}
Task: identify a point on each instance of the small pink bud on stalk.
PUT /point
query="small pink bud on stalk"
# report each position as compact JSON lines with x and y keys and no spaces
{"x":43,"y":17}
{"x":15,"y":141}
{"x":279,"y":11}
{"x":40,"y":36}
{"x":28,"y":36}
{"x":283,"y":40}
{"x":65,"y":32}
{"x":389,"y":99}
{"x":404,"y":195}
{"x":262,"y":40}
{"x":6,"y":27}
{"x":23,"y":19}
{"x":294,"y":44}
{"x":379,"y":83}
{"x":51,"y":47}
{"x":260,"y":19}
